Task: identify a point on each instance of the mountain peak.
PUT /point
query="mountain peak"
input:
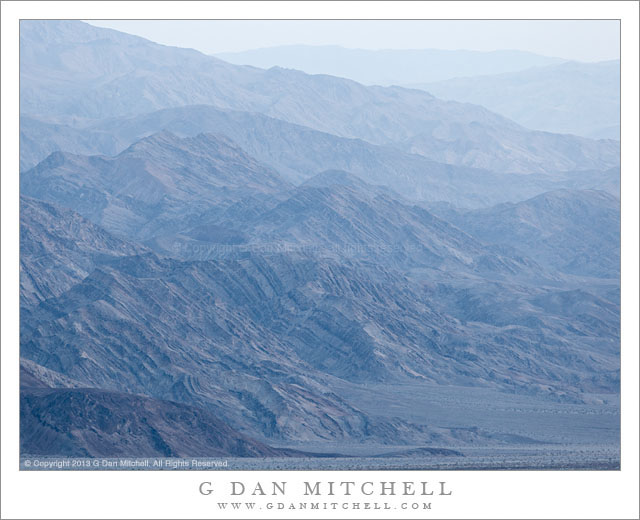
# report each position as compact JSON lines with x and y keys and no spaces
{"x":201,"y":144}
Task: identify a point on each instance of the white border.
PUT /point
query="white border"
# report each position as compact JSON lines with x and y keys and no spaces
{"x":174,"y":495}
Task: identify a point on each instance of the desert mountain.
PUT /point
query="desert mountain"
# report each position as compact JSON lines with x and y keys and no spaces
{"x":574,"y":231}
{"x":155,"y":185}
{"x":76,"y":73}
{"x":567,"y":98}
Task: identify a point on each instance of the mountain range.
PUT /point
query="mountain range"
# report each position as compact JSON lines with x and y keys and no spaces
{"x":216,"y":260}
{"x":573,"y":231}
{"x":318,"y":254}
{"x":273,"y":327}
{"x":298,"y":153}
{"x":553,"y":98}
{"x":64,"y":75}
{"x":387,"y":67}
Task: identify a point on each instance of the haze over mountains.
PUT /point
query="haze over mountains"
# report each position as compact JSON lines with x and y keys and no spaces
{"x":298,"y":153}
{"x":387,"y":67}
{"x":142,"y":77}
{"x":538,"y":92}
{"x":572,"y":97}
{"x":216,"y":259}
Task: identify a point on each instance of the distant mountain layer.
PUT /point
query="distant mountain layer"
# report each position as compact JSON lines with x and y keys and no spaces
{"x":197,"y":197}
{"x":298,"y":153}
{"x":74,"y":73}
{"x":38,"y":139}
{"x":569,"y":98}
{"x":389,"y":66}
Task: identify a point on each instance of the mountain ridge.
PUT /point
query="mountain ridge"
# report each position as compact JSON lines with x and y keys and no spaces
{"x":192,"y":176}
{"x":228,"y":259}
{"x":576,"y":231}
{"x":385,"y":66}
{"x":133,"y":83}
{"x":559,"y":94}
{"x":298,"y":153}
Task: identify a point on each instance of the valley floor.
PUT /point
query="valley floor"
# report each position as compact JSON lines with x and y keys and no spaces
{"x":522,"y":433}
{"x":543,"y":418}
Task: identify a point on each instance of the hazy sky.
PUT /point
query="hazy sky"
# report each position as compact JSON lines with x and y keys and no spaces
{"x":583,"y":40}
